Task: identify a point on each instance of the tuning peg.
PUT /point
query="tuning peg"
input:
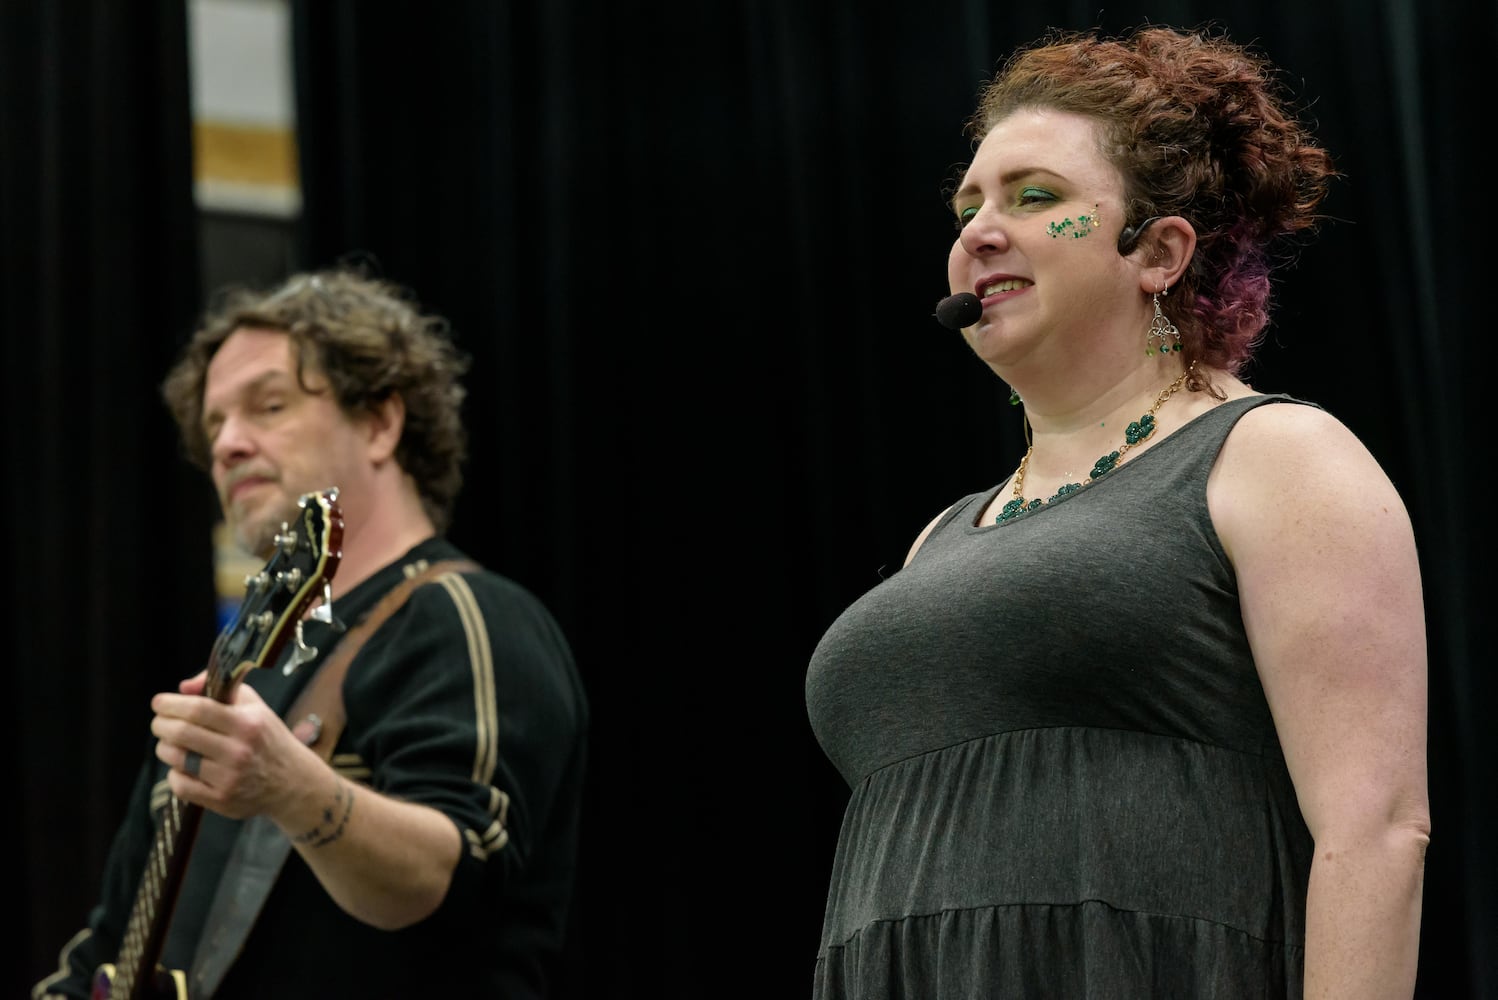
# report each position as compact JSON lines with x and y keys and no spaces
{"x":324,"y":611}
{"x":300,"y":653}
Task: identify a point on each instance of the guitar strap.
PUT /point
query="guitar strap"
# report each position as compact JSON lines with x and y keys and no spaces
{"x":317,"y":717}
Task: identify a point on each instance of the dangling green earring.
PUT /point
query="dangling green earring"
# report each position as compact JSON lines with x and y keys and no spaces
{"x":1161,"y":329}
{"x":1014,"y":399}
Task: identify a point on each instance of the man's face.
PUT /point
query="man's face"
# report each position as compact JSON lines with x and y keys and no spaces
{"x":271,"y":438}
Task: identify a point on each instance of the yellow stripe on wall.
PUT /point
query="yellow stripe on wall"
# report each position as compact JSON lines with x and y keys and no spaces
{"x":245,"y":154}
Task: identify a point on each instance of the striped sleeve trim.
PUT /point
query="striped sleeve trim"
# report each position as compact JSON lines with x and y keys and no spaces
{"x":486,"y":715}
{"x":497,"y":835}
{"x":481,"y":662}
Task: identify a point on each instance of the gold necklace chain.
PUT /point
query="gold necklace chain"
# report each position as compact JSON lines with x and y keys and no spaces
{"x":1136,"y":432}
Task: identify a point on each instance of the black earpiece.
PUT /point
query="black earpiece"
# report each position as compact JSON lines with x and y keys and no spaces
{"x":1128,"y":237}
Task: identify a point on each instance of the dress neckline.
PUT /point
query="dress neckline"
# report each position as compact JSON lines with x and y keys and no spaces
{"x":990,"y":496}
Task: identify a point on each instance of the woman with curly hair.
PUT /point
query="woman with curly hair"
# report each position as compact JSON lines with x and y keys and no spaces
{"x":1147,"y":718}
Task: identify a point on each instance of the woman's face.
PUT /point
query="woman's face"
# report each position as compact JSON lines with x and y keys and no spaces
{"x":1039,"y":212}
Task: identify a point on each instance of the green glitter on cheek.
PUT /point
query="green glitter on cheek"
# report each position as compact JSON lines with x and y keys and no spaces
{"x":1081,"y":226}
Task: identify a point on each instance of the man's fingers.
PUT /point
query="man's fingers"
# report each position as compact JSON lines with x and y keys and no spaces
{"x":194,"y":684}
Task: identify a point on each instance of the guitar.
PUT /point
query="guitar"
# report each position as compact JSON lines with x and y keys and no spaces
{"x":306,"y":556}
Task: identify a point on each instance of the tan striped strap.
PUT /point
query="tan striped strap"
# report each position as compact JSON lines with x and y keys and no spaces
{"x":318,"y":716}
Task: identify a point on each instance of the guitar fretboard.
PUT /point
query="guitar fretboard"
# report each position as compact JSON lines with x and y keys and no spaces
{"x":159,"y":884}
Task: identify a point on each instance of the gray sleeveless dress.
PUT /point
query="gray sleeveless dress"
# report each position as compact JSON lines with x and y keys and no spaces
{"x":1065,"y":778}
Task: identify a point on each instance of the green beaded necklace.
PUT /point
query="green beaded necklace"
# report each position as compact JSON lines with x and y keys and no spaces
{"x":1133,"y":434}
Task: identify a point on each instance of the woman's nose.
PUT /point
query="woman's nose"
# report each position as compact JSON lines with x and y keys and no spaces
{"x":984,"y":233}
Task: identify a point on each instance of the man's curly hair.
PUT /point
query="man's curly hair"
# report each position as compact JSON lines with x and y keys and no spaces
{"x":369,"y":339}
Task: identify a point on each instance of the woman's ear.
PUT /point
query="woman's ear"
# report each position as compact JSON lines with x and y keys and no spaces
{"x":1164,"y":252}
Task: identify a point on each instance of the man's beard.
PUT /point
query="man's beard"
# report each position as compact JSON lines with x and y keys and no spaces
{"x":256,"y":535}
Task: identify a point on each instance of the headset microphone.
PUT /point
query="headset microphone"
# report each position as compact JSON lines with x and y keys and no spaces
{"x":957,"y":311}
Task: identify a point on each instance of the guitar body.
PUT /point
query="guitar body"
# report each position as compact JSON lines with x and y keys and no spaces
{"x":167,"y":984}
{"x":306,"y":555}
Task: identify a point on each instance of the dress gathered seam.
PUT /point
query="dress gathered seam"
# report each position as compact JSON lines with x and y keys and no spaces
{"x":1066,"y":905}
{"x":1257,"y":755}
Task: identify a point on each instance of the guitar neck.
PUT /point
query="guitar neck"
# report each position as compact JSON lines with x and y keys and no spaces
{"x":141,"y":947}
{"x":304,"y":558}
{"x":145,"y":931}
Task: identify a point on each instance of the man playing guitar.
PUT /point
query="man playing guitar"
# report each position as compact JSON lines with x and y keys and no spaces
{"x":432,"y":848}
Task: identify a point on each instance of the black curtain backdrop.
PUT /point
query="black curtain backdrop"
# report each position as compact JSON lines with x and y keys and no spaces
{"x":694,"y":251}
{"x":108,"y":598}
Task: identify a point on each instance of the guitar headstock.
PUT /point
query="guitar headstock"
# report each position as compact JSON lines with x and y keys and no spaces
{"x":305,"y":559}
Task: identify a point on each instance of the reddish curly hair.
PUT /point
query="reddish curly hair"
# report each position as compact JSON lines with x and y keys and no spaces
{"x":1198,"y":126}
